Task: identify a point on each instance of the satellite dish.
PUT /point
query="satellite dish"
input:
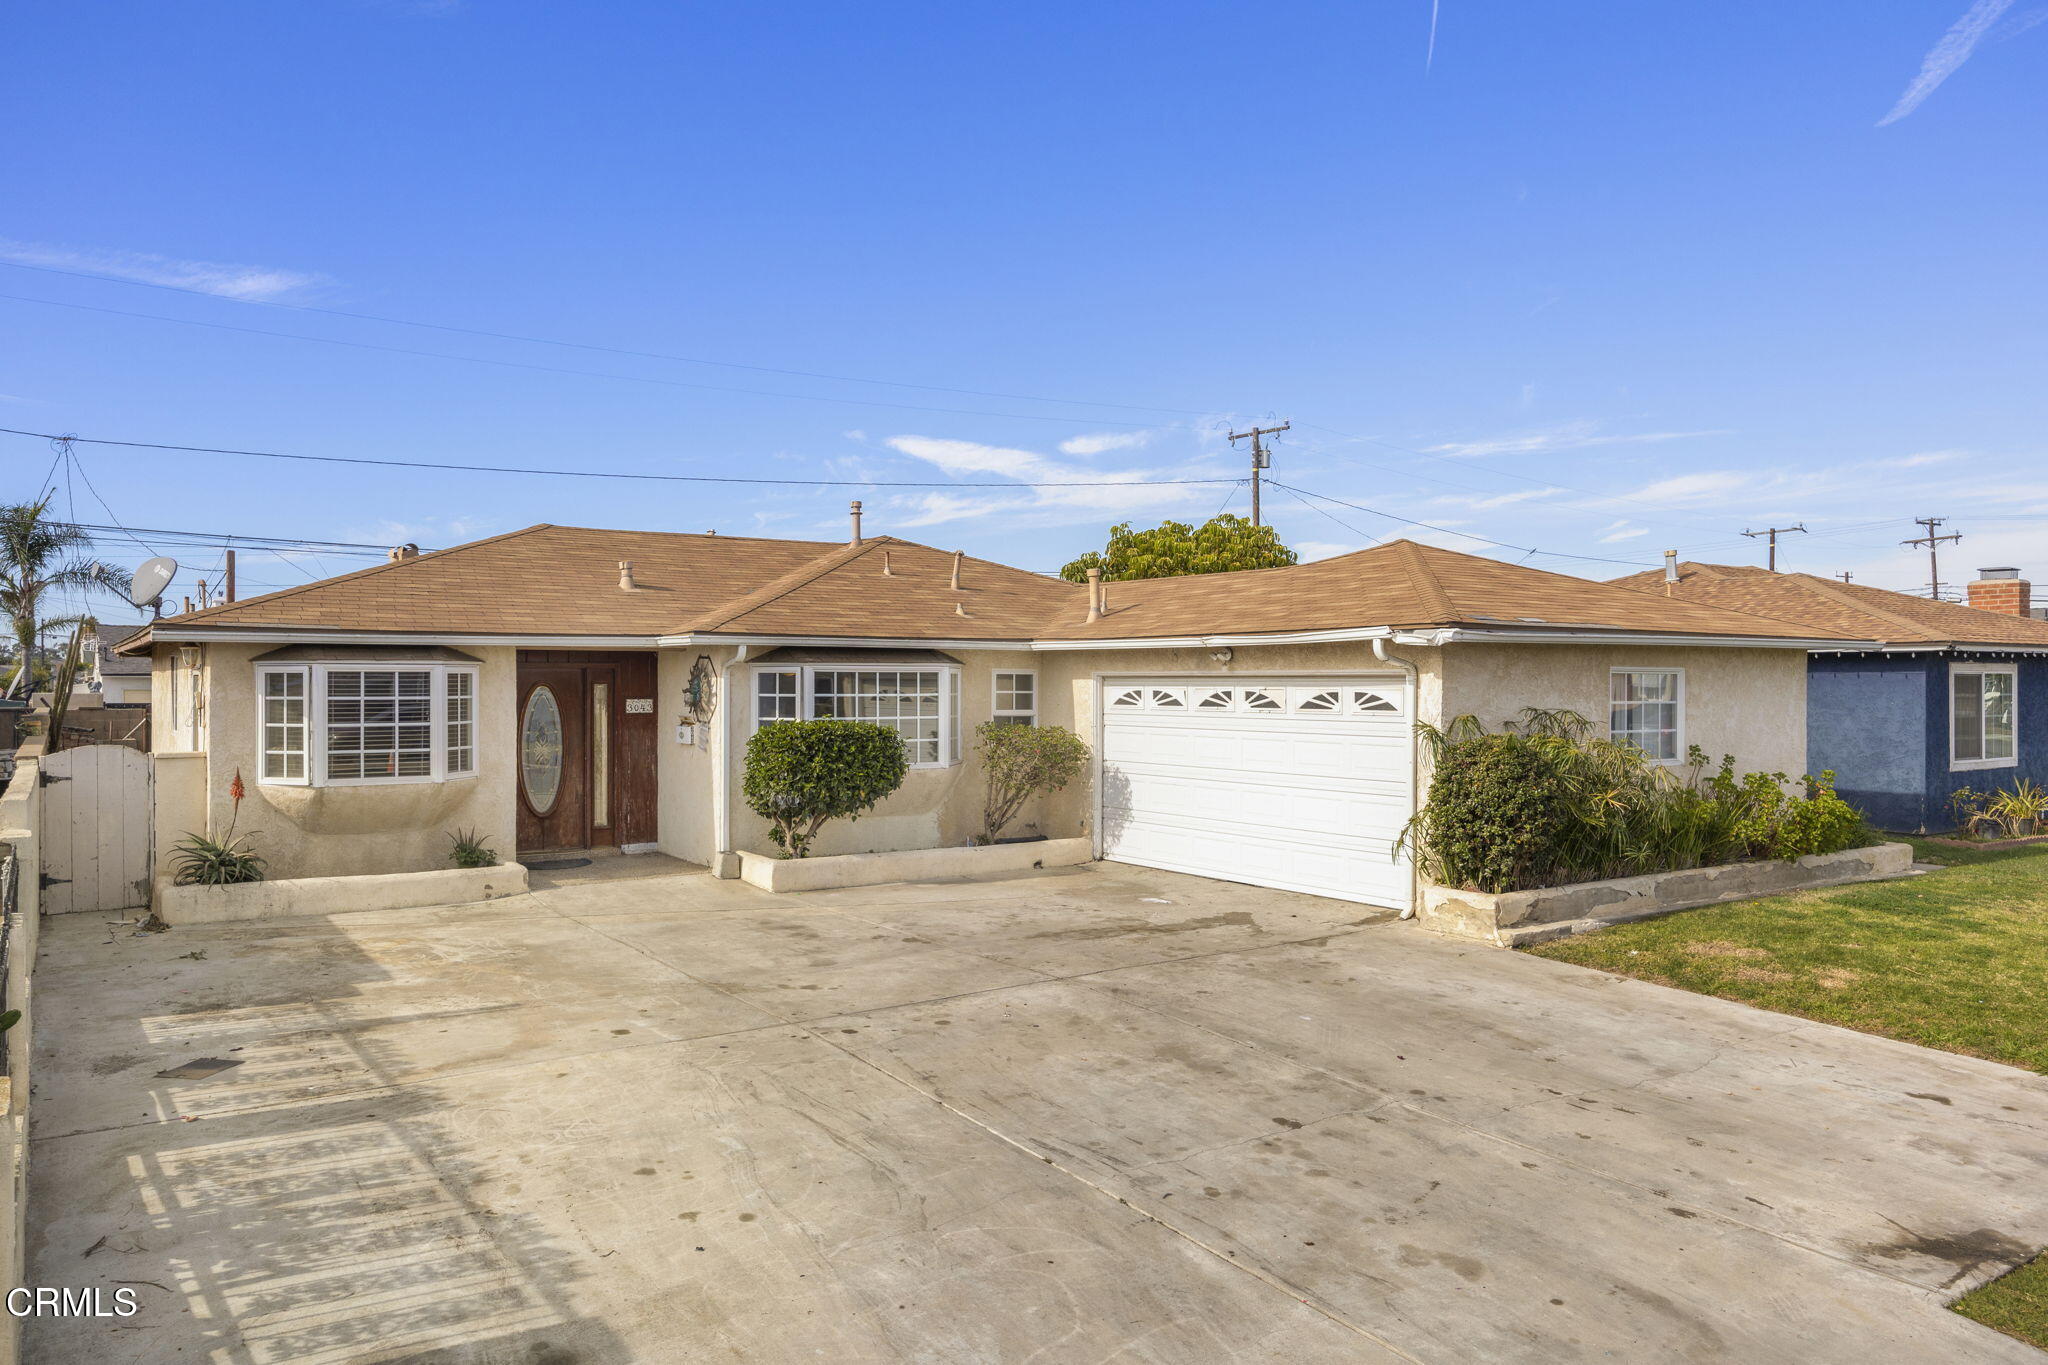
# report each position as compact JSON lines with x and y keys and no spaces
{"x":151,"y":578}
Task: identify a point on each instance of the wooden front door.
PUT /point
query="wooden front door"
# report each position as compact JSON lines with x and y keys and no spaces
{"x":586,"y":736}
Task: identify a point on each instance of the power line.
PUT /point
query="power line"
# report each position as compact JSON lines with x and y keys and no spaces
{"x":613,"y":474}
{"x":562,"y":369}
{"x":605,"y":350}
{"x":1447,"y":530}
{"x":213,"y":538}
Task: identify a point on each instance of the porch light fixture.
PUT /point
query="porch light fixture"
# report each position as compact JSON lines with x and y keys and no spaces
{"x":1222,"y":655}
{"x":188,"y":657}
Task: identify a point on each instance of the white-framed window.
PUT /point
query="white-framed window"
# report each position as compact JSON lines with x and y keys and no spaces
{"x":1983,"y":715}
{"x":1016,"y":699}
{"x":356,"y":724}
{"x":1646,"y":708}
{"x":920,"y":704}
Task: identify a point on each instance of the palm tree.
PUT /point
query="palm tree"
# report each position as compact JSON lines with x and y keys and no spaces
{"x":40,"y":556}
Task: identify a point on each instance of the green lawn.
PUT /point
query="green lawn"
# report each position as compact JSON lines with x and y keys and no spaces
{"x":2016,"y":1304}
{"x":1957,"y":959}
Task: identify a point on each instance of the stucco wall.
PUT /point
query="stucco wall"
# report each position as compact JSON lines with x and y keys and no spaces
{"x":1747,"y":702}
{"x":934,"y":808}
{"x":686,"y":773}
{"x":1875,"y":720}
{"x":333,"y":831}
{"x":1943,"y":781}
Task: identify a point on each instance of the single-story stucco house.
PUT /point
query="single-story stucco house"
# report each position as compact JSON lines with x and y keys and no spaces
{"x":561,"y":688}
{"x":1952,"y":696}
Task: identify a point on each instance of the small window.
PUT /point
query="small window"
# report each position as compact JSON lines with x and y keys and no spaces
{"x":461,"y":721}
{"x":1256,"y":699}
{"x":284,"y":724}
{"x":1128,"y":699}
{"x":1983,"y":715}
{"x":1319,"y":701}
{"x":1165,"y":700}
{"x":1016,"y":699}
{"x":1215,"y":701}
{"x":1645,"y":709}
{"x":774,"y":697}
{"x":1371,"y":701}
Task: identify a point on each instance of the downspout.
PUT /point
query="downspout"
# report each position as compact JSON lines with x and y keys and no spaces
{"x":721,"y":791}
{"x":1379,"y":651}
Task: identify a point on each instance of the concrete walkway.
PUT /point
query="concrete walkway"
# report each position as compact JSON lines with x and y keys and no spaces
{"x":1089,"y":1115}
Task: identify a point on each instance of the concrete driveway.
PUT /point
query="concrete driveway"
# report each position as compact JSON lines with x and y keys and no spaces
{"x":1096,"y":1114}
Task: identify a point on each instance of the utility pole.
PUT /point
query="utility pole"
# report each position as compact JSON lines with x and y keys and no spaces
{"x":1844,"y":575}
{"x":229,"y":584}
{"x":1260,"y":459}
{"x":1933,"y":543}
{"x":1774,"y":532}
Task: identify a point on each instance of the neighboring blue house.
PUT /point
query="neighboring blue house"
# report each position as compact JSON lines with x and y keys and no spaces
{"x":1956,"y":696}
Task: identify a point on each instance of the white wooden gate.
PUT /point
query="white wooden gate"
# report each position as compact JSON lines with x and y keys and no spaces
{"x":96,"y":829}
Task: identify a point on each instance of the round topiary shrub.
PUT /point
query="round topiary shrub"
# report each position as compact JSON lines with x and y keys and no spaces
{"x":801,"y":773}
{"x":1496,"y":815}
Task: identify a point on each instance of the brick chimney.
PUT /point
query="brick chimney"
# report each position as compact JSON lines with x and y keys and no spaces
{"x":2002,"y":590}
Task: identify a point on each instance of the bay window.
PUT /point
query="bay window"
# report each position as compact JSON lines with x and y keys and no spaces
{"x":921,"y":705}
{"x":331,"y":724}
{"x":1983,"y":715}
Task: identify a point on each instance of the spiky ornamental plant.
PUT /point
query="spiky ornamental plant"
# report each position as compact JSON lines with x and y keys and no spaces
{"x":40,"y":557}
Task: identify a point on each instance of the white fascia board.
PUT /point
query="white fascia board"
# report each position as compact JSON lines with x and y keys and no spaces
{"x":269,"y":635}
{"x":1298,"y":637}
{"x":1481,"y":635}
{"x":1953,"y":647}
{"x":831,"y":642}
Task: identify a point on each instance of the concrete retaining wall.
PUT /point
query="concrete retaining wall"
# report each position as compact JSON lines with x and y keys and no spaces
{"x":913,"y":865}
{"x":336,"y":895}
{"x":1517,"y":917}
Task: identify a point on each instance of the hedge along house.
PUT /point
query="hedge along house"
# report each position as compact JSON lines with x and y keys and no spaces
{"x":561,"y":688}
{"x":1949,"y":697}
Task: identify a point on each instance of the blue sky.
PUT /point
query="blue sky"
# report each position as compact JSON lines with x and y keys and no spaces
{"x":1592,"y":280}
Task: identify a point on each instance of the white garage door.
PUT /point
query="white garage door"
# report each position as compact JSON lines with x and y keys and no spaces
{"x":1297,"y":783}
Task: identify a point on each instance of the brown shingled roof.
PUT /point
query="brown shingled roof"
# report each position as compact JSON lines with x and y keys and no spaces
{"x":1398,"y":584}
{"x":564,"y":581}
{"x":1844,"y":608}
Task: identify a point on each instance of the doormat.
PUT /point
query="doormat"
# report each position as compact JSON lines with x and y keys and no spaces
{"x":555,"y":864}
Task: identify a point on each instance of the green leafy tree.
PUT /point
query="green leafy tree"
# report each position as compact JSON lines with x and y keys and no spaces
{"x":1021,"y":761}
{"x":40,"y":557}
{"x":1220,"y":545}
{"x":801,"y":773}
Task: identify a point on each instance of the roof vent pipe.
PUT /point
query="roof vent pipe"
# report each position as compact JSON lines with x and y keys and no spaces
{"x":957,"y":554}
{"x":856,"y":523}
{"x":1095,"y":594}
{"x":887,"y":572}
{"x":1671,"y":566}
{"x":626,"y":583}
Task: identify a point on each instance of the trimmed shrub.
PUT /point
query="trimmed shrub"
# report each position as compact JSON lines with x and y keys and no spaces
{"x":1543,"y":804}
{"x":801,"y":773}
{"x":1021,"y":761}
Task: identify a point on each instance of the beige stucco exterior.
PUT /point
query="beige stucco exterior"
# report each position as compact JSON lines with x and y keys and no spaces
{"x":328,"y":831}
{"x":1746,"y":702}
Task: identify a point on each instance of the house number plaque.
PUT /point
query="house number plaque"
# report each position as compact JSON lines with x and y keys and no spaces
{"x":639,"y":706}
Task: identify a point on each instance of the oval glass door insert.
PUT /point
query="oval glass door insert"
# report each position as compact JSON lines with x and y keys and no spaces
{"x":540,"y":749}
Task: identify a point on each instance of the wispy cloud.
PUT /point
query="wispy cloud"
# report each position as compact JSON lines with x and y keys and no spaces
{"x":1685,"y":489}
{"x":1946,"y":56}
{"x":1922,"y":460}
{"x":1429,"y":57}
{"x":1097,"y":491}
{"x":1498,"y":500}
{"x":250,"y":283}
{"x":1570,"y":436}
{"x":1620,"y":531}
{"x":1098,"y":442}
